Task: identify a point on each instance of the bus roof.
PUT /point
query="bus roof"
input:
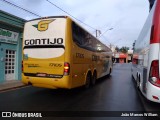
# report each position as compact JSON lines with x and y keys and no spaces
{"x":107,"y":48}
{"x":47,"y":18}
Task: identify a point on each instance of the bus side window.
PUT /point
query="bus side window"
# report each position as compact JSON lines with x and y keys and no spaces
{"x":82,"y":36}
{"x":76,"y":34}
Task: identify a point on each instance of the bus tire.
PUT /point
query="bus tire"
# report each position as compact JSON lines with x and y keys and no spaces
{"x":110,"y":70}
{"x":133,"y":78}
{"x":94,"y":78}
{"x":88,"y":80}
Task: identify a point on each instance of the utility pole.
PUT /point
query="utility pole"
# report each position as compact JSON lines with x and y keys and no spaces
{"x":98,"y":32}
{"x":110,"y":46}
{"x":105,"y":32}
{"x":134,"y":45}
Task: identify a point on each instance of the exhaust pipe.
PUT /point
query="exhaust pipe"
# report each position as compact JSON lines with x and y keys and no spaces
{"x":29,"y":83}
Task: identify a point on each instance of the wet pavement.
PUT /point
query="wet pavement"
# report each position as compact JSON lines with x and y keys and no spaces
{"x":112,"y":95}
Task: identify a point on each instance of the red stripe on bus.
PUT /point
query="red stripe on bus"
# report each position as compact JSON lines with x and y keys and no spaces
{"x":155,"y":31}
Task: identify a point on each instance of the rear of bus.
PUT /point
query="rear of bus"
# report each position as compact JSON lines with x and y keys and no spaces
{"x":44,"y":53}
{"x":153,"y":86}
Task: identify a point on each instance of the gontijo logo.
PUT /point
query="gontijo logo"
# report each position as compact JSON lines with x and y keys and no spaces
{"x":43,"y":25}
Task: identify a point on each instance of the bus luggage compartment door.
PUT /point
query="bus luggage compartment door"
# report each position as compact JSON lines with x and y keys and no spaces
{"x":48,"y":69}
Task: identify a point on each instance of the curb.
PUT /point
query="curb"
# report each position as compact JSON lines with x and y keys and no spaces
{"x":11,"y":85}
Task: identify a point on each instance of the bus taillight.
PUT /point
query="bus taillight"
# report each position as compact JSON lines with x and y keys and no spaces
{"x":154,"y":73}
{"x":66,"y":68}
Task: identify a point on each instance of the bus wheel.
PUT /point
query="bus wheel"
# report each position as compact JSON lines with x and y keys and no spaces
{"x":88,"y":80}
{"x":94,"y":78}
{"x":110,"y":70}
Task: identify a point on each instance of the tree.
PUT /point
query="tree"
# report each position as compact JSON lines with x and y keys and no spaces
{"x":124,"y":49}
{"x":117,"y":49}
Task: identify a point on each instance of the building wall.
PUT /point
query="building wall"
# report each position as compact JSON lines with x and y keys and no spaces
{"x":11,"y":28}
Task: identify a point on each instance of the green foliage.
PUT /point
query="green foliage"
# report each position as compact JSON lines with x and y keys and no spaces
{"x":117,"y":49}
{"x":124,"y":49}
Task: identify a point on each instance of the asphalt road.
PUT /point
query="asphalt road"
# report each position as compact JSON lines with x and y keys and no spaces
{"x":114,"y":93}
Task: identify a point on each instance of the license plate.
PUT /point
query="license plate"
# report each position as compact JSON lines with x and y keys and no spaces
{"x":41,"y":74}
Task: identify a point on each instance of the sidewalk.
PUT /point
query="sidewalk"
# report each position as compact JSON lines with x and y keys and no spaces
{"x":8,"y":85}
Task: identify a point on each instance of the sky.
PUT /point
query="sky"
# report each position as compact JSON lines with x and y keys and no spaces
{"x":126,"y":17}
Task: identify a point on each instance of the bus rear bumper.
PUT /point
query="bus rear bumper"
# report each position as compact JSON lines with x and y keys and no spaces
{"x":52,"y":83}
{"x":153,"y":93}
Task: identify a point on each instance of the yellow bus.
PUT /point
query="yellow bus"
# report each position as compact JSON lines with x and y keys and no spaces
{"x":59,"y":53}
